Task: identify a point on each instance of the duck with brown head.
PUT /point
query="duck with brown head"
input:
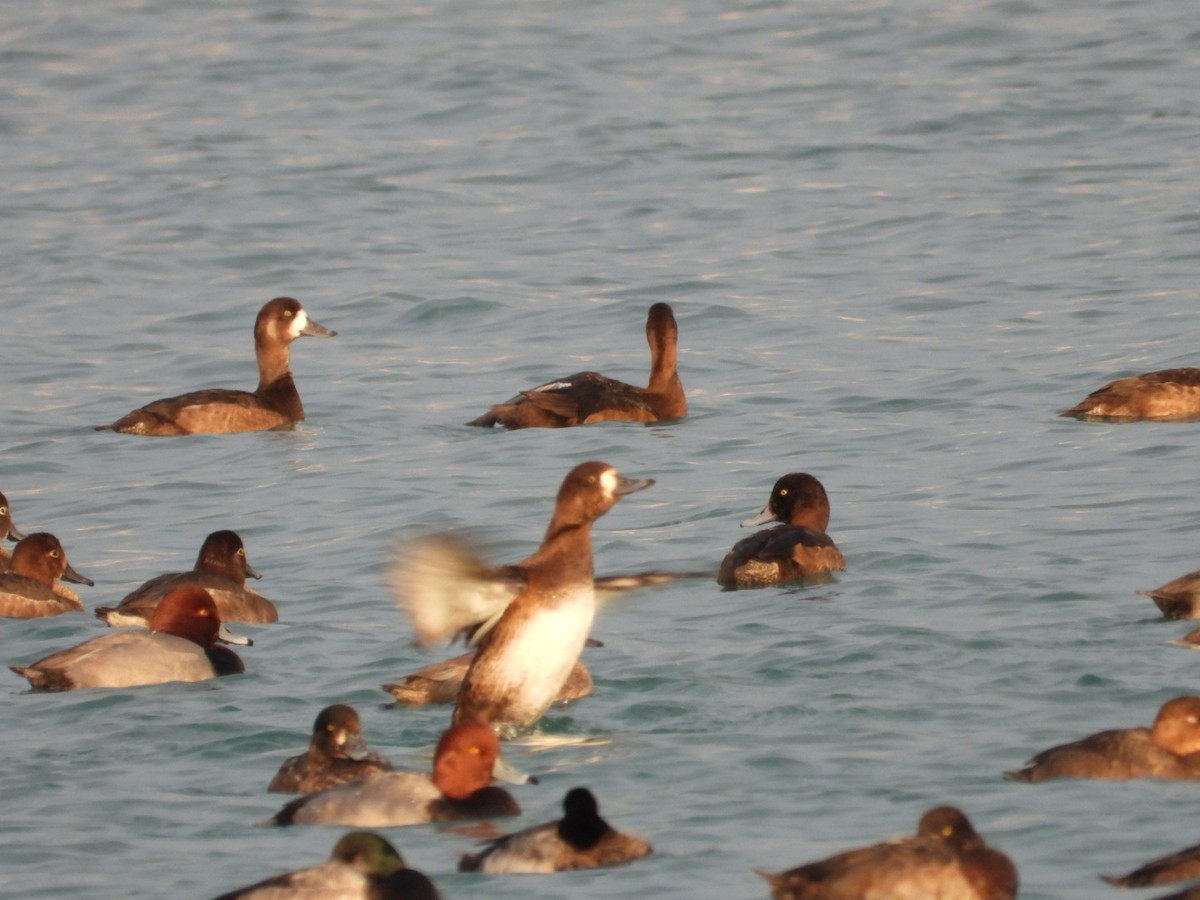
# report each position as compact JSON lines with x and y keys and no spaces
{"x":336,"y":755}
{"x":28,"y":590}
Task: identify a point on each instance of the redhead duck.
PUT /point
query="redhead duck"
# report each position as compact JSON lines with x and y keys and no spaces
{"x":1179,"y":866}
{"x":273,"y":404}
{"x":1178,"y":599}
{"x":180,"y":646}
{"x":221,"y":569}
{"x":363,"y":866}
{"x":525,"y":658}
{"x":581,"y":839}
{"x":797,"y":549}
{"x":440,"y":683}
{"x":336,"y":754}
{"x":1169,"y":749}
{"x":587,"y":397}
{"x":460,"y":788}
{"x":1167,"y":394}
{"x":28,"y":589}
{"x":8,"y":531}
{"x":945,"y":858}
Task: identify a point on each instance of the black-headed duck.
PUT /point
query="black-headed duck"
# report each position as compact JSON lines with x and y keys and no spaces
{"x":221,"y":569}
{"x":180,"y":646}
{"x":8,"y":531}
{"x":336,"y":754}
{"x":363,"y":866}
{"x":1178,"y":599}
{"x":460,"y":788}
{"x":945,"y":858}
{"x":797,"y":549}
{"x":587,"y":397}
{"x":28,"y":589}
{"x":275,"y":403}
{"x":1169,"y":749}
{"x":581,"y":839}
{"x":1163,"y":395}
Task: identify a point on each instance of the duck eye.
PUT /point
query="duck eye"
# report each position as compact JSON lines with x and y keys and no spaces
{"x":3,"y":510}
{"x":54,"y":554}
{"x":783,"y":492}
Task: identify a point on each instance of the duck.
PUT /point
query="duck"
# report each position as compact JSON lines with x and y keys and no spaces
{"x":524,"y":658}
{"x":581,"y":839}
{"x":1178,"y":599}
{"x":221,"y":569}
{"x":28,"y":590}
{"x":587,"y":397}
{"x":796,"y":550}
{"x":1163,"y":395}
{"x":180,"y":646}
{"x":8,"y":531}
{"x":439,"y":683}
{"x":336,"y":754}
{"x":362,"y":866}
{"x":945,"y":858}
{"x":460,"y":788}
{"x":1166,"y":750}
{"x":275,"y":403}
{"x":1179,"y":866}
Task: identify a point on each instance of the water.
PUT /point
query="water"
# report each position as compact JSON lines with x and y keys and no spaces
{"x":897,"y":238}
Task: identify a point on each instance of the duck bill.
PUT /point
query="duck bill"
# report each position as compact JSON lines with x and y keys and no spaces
{"x":631,"y":485}
{"x":315,"y":329}
{"x":251,"y":573}
{"x":510,"y":774}
{"x":225,"y":636}
{"x":762,"y":518}
{"x":355,"y":747}
{"x":74,"y":577}
{"x":13,"y":534}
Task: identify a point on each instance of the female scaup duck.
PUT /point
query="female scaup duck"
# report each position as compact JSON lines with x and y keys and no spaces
{"x":273,"y":404}
{"x":363,"y":866}
{"x":799,"y":548}
{"x":526,"y":657}
{"x":1167,"y":394}
{"x":336,"y":754}
{"x":1167,"y":750}
{"x":440,"y":683}
{"x":180,"y":646}
{"x":8,"y":531}
{"x":221,"y":569}
{"x":945,"y":858}
{"x":459,"y":789}
{"x":28,"y":589}
{"x":1178,"y":599}
{"x":587,"y":397}
{"x":1179,"y":866}
{"x":581,"y":839}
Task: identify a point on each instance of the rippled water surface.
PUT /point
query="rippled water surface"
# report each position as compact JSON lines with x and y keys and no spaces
{"x":897,"y":237}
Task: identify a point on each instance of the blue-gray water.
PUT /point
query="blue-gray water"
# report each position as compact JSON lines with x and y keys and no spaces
{"x":897,"y":237}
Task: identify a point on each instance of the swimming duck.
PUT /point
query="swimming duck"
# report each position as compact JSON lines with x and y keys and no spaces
{"x":221,"y":569}
{"x":28,"y":589}
{"x":273,"y":404}
{"x":1167,"y":750}
{"x":1166,"y":394}
{"x":1179,"y":866}
{"x":946,"y":858}
{"x":336,"y":754}
{"x":581,"y":839}
{"x":180,"y":646}
{"x":440,"y":683}
{"x":363,"y":866}
{"x":459,"y":789}
{"x":799,"y":548}
{"x":526,"y":657}
{"x":587,"y":397}
{"x":8,"y":531}
{"x":1178,"y":599}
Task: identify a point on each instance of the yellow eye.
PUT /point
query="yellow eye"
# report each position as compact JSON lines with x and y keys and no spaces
{"x":241,"y":553}
{"x":783,"y":492}
{"x":54,"y":554}
{"x":3,"y":510}
{"x":947,"y":831}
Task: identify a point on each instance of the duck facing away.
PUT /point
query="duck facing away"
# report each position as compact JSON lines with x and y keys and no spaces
{"x":1164,"y":395}
{"x":29,"y":589}
{"x":1169,"y":749}
{"x":221,"y":569}
{"x":275,"y":403}
{"x":336,"y":754}
{"x":945,"y":858}
{"x":460,"y":788}
{"x":363,"y":866}
{"x":1178,"y":599}
{"x":581,"y":839}
{"x":180,"y":646}
{"x":795,"y":550}
{"x":587,"y":397}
